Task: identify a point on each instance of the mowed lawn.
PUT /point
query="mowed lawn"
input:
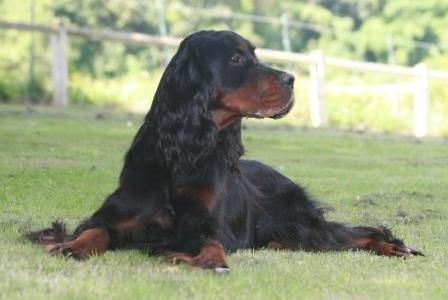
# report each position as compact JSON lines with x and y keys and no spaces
{"x":58,"y":164}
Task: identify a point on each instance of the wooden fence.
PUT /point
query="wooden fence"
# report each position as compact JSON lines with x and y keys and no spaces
{"x":316,"y":61}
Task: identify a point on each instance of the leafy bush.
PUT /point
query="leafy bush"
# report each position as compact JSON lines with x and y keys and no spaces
{"x":131,"y":92}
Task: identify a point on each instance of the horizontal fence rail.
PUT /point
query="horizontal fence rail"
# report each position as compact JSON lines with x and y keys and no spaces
{"x":316,"y":61}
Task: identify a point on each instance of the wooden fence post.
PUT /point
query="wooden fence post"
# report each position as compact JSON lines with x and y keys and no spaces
{"x":59,"y":66}
{"x":284,"y":20}
{"x":421,"y":100}
{"x":319,"y":116}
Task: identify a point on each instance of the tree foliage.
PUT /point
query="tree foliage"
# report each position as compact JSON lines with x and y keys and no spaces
{"x":400,"y":31}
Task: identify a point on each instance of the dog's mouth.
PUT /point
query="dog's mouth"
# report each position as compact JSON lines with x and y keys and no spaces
{"x":285,"y":110}
{"x":275,"y":113}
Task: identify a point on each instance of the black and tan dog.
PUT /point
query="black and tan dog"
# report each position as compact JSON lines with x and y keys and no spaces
{"x":185,"y":193}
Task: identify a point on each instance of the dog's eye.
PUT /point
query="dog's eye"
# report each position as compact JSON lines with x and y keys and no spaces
{"x":236,"y":59}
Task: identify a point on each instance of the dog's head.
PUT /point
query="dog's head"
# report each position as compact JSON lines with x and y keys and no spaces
{"x":213,"y":81}
{"x":220,"y":70}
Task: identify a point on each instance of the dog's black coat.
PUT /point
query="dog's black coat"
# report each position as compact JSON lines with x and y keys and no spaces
{"x":183,"y":183}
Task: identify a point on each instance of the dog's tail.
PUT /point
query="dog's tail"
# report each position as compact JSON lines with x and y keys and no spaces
{"x":57,"y":233}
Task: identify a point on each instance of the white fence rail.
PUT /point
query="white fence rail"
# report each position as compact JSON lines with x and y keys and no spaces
{"x":316,"y":60}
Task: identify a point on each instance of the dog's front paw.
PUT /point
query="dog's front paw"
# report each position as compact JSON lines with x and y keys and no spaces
{"x":66,"y":249}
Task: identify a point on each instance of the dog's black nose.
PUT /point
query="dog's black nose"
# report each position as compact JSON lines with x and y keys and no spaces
{"x":287,"y":78}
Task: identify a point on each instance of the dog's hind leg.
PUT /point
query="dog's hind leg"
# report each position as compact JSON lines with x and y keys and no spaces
{"x":339,"y":237}
{"x":291,"y":220}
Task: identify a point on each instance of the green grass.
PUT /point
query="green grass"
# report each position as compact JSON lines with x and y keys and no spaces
{"x":61,"y":164}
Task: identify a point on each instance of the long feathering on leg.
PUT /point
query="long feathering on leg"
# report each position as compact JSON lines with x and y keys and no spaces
{"x":57,"y":233}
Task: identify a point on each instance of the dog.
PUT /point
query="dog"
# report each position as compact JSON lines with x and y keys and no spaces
{"x":184,"y":191}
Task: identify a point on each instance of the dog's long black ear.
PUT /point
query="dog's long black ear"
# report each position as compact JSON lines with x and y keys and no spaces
{"x":181,"y":108}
